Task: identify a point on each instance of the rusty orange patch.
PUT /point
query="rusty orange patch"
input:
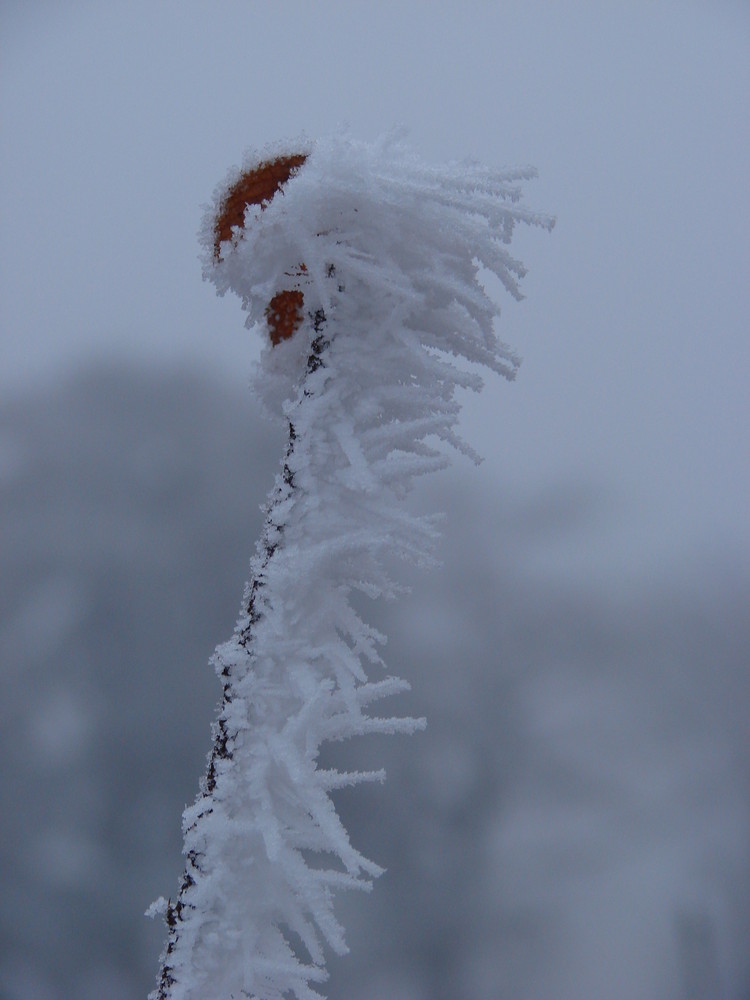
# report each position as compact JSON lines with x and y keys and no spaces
{"x":254,"y":187}
{"x":284,"y":314}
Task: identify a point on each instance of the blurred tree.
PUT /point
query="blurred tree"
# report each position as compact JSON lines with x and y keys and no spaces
{"x":582,"y":789}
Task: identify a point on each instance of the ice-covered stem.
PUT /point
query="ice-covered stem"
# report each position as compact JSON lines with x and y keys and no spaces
{"x":379,"y":257}
{"x":233,"y":661}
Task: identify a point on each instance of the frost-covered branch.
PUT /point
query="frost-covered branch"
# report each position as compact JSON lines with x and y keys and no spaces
{"x":361,"y":265}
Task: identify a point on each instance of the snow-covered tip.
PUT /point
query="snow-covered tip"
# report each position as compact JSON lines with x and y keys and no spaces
{"x":374,"y":240}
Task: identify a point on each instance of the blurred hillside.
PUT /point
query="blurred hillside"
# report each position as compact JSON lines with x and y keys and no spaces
{"x":574,"y":823}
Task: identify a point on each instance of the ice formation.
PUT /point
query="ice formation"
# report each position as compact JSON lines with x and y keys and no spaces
{"x":360,"y":266}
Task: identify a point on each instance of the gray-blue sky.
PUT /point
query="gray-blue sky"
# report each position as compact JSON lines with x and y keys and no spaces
{"x":119,"y":119}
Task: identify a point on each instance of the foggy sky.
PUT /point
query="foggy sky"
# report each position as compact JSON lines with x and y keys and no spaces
{"x":618,"y":457}
{"x":119,"y":119}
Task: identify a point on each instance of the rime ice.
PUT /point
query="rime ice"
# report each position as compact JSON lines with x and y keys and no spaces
{"x":385,"y":253}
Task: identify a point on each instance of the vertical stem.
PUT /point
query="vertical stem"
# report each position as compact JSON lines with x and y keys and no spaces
{"x":270,"y":542}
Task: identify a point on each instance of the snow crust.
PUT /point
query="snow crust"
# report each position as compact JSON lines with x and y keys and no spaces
{"x":392,"y":250}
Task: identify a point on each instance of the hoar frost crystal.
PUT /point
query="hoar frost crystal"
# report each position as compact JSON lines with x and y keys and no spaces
{"x":361,"y":265}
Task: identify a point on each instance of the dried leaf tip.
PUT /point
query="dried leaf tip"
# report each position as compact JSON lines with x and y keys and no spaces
{"x":256,"y":186}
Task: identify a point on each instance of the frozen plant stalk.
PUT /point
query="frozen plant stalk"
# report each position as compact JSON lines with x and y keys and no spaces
{"x":361,"y":265}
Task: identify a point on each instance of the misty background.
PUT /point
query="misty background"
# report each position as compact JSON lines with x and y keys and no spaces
{"x":575,"y":820}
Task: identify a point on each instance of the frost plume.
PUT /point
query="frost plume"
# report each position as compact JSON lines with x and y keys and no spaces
{"x":386,"y":252}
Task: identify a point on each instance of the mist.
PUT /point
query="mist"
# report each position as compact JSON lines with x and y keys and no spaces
{"x":574,"y":822}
